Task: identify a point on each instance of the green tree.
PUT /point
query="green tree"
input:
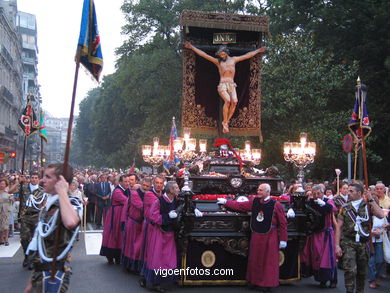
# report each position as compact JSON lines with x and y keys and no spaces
{"x":301,"y":91}
{"x":351,"y":30}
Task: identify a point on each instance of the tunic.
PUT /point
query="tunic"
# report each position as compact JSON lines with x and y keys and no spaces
{"x":132,"y":245}
{"x":160,"y":245}
{"x":112,"y":233}
{"x":318,"y":257}
{"x":263,"y":259}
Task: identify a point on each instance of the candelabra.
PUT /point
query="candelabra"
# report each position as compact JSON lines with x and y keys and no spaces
{"x":188,"y":154}
{"x":300,"y":154}
{"x":155,"y":154}
{"x":249,"y":154}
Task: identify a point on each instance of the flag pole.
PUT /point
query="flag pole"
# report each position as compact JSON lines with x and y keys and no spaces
{"x":24,"y":152}
{"x":66,"y":163}
{"x":364,"y":161}
{"x":41,"y":157}
{"x":21,"y":200}
{"x":70,"y":124}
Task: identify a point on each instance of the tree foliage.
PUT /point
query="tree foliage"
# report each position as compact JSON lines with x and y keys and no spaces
{"x":301,"y":92}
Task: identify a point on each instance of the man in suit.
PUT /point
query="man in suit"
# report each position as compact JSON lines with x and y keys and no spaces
{"x":90,"y":192}
{"x":103,"y":192}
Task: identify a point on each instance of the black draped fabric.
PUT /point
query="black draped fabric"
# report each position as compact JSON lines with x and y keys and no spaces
{"x":207,"y":80}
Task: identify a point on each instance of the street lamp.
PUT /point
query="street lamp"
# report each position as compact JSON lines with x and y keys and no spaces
{"x":300,"y":154}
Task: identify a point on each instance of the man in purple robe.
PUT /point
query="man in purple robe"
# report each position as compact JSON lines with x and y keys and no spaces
{"x":269,"y":234}
{"x":318,"y":257}
{"x":149,"y":199}
{"x":132,"y":253}
{"x":112,"y":234}
{"x":161,"y":245}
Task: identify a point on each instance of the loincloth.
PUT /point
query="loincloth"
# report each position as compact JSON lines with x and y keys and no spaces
{"x":227,"y":86}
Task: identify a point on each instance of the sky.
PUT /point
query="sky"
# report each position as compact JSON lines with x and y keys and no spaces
{"x":58,"y":24}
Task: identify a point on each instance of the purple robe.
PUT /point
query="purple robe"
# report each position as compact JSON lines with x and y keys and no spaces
{"x":160,"y":249}
{"x":149,"y":199}
{"x":318,"y":256}
{"x":263,"y":259}
{"x":132,"y":245}
{"x":112,"y":234}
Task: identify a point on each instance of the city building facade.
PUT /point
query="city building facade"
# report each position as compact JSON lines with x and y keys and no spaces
{"x":27,"y":27}
{"x":57,"y":131}
{"x":11,"y":94}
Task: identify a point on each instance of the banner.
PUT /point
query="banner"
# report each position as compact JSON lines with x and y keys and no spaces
{"x":89,"y":51}
{"x":360,"y":124}
{"x":28,"y":121}
{"x":171,"y":160}
{"x":42,"y":128}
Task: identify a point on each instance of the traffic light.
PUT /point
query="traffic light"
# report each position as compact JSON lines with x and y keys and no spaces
{"x":12,"y":155}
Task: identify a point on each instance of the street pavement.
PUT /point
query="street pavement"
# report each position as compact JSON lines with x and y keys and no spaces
{"x":92,"y":273}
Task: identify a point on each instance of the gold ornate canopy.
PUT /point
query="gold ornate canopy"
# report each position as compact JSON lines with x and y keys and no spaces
{"x":201,"y":102}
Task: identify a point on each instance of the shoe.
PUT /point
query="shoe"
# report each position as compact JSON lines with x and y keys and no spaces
{"x":333,"y":284}
{"x":25,"y":262}
{"x":110,"y":261}
{"x":372,"y":285}
{"x":159,"y":289}
{"x":142,"y":283}
{"x":378,"y":282}
{"x":117,"y":261}
{"x":1,"y":243}
{"x":322,"y":285}
{"x":6,"y":243}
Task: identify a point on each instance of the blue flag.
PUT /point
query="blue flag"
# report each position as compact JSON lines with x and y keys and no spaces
{"x":171,"y":160}
{"x":89,"y":50}
{"x":360,"y":124}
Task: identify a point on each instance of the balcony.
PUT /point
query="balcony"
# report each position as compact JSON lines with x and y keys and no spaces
{"x":10,"y":133}
{"x":7,"y":94}
{"x":29,"y":60}
{"x":6,"y":55}
{"x":29,"y":75}
{"x":29,"y":46}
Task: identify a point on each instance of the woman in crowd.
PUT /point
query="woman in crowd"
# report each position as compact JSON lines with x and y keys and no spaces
{"x":376,"y":261}
{"x":74,"y":191}
{"x":5,"y":211}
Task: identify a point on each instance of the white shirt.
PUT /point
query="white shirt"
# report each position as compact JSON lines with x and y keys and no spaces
{"x":356,"y":203}
{"x":377,"y":224}
{"x":33,"y":187}
{"x":344,"y":196}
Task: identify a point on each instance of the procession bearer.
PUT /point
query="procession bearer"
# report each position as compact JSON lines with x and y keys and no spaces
{"x":31,"y":203}
{"x":269,"y":234}
{"x":353,"y":226}
{"x":56,"y":232}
